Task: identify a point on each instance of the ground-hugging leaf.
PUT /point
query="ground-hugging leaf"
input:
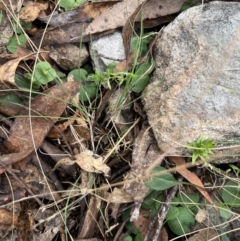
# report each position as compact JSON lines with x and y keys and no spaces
{"x":173,"y":213}
{"x":161,"y":182}
{"x":181,"y":224}
{"x":31,"y":127}
{"x":231,"y":194}
{"x":44,"y":73}
{"x":188,"y":200}
{"x":15,"y":41}
{"x":11,"y":100}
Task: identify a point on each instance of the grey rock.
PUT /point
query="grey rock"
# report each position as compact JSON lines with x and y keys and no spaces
{"x":69,"y":56}
{"x":6,"y":32}
{"x":195,"y":89}
{"x":106,"y":50}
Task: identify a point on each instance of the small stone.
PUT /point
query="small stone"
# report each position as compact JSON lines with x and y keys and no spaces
{"x":69,"y":56}
{"x":106,"y":50}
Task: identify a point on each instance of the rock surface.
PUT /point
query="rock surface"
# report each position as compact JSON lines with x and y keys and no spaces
{"x":106,"y":50}
{"x":195,"y":89}
{"x":69,"y":56}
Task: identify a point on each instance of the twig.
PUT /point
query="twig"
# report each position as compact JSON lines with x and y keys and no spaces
{"x":161,"y":214}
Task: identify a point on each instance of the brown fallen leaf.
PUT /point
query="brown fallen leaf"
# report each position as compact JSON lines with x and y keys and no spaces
{"x":90,"y":220}
{"x":190,"y":176}
{"x":142,"y":225}
{"x":114,"y":17}
{"x":7,"y":72}
{"x":88,"y":161}
{"x":145,"y":152}
{"x":30,"y":12}
{"x":97,"y":19}
{"x":117,"y":15}
{"x":29,"y":130}
{"x":69,"y":28}
{"x":116,"y":196}
{"x":128,"y":29}
{"x":7,"y":217}
{"x":58,"y":130}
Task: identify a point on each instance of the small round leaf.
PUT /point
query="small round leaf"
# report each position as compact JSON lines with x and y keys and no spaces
{"x":44,"y":73}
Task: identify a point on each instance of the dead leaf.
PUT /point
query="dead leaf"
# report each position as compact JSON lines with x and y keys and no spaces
{"x":128,"y":29}
{"x":117,"y":15}
{"x":145,"y":152}
{"x":117,"y":196}
{"x":88,"y":161}
{"x":91,"y":162}
{"x":190,"y":176}
{"x":7,"y":217}
{"x":30,"y":12}
{"x":90,"y":220}
{"x":201,"y":215}
{"x":142,"y":225}
{"x":70,"y":28}
{"x":114,"y":17}
{"x":98,"y":19}
{"x":25,"y":221}
{"x":58,"y":130}
{"x":12,"y":158}
{"x":205,"y":234}
{"x":7,"y":70}
{"x":28,"y":132}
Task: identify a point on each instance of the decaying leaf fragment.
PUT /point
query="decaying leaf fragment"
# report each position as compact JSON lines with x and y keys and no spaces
{"x":117,"y":196}
{"x":30,"y":12}
{"x":88,"y":161}
{"x":30,"y":128}
{"x":145,"y":152}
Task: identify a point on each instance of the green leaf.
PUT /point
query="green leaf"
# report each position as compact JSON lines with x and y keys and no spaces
{"x":68,"y":4}
{"x":188,"y":200}
{"x":11,"y":100}
{"x":131,"y":228}
{"x":161,"y":182}
{"x":149,"y":203}
{"x":15,"y":41}
{"x":1,"y":16}
{"x":173,"y":213}
{"x":225,"y":212}
{"x":231,"y":194}
{"x":140,"y":85}
{"x":25,"y":25}
{"x":111,"y":66}
{"x":142,"y":76}
{"x":138,"y":237}
{"x":88,"y":91}
{"x":128,"y":238}
{"x":126,"y":214}
{"x":44,"y":73}
{"x":181,"y":224}
{"x":186,"y":5}
{"x":79,"y":74}
{"x":201,"y":148}
{"x":24,"y":82}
